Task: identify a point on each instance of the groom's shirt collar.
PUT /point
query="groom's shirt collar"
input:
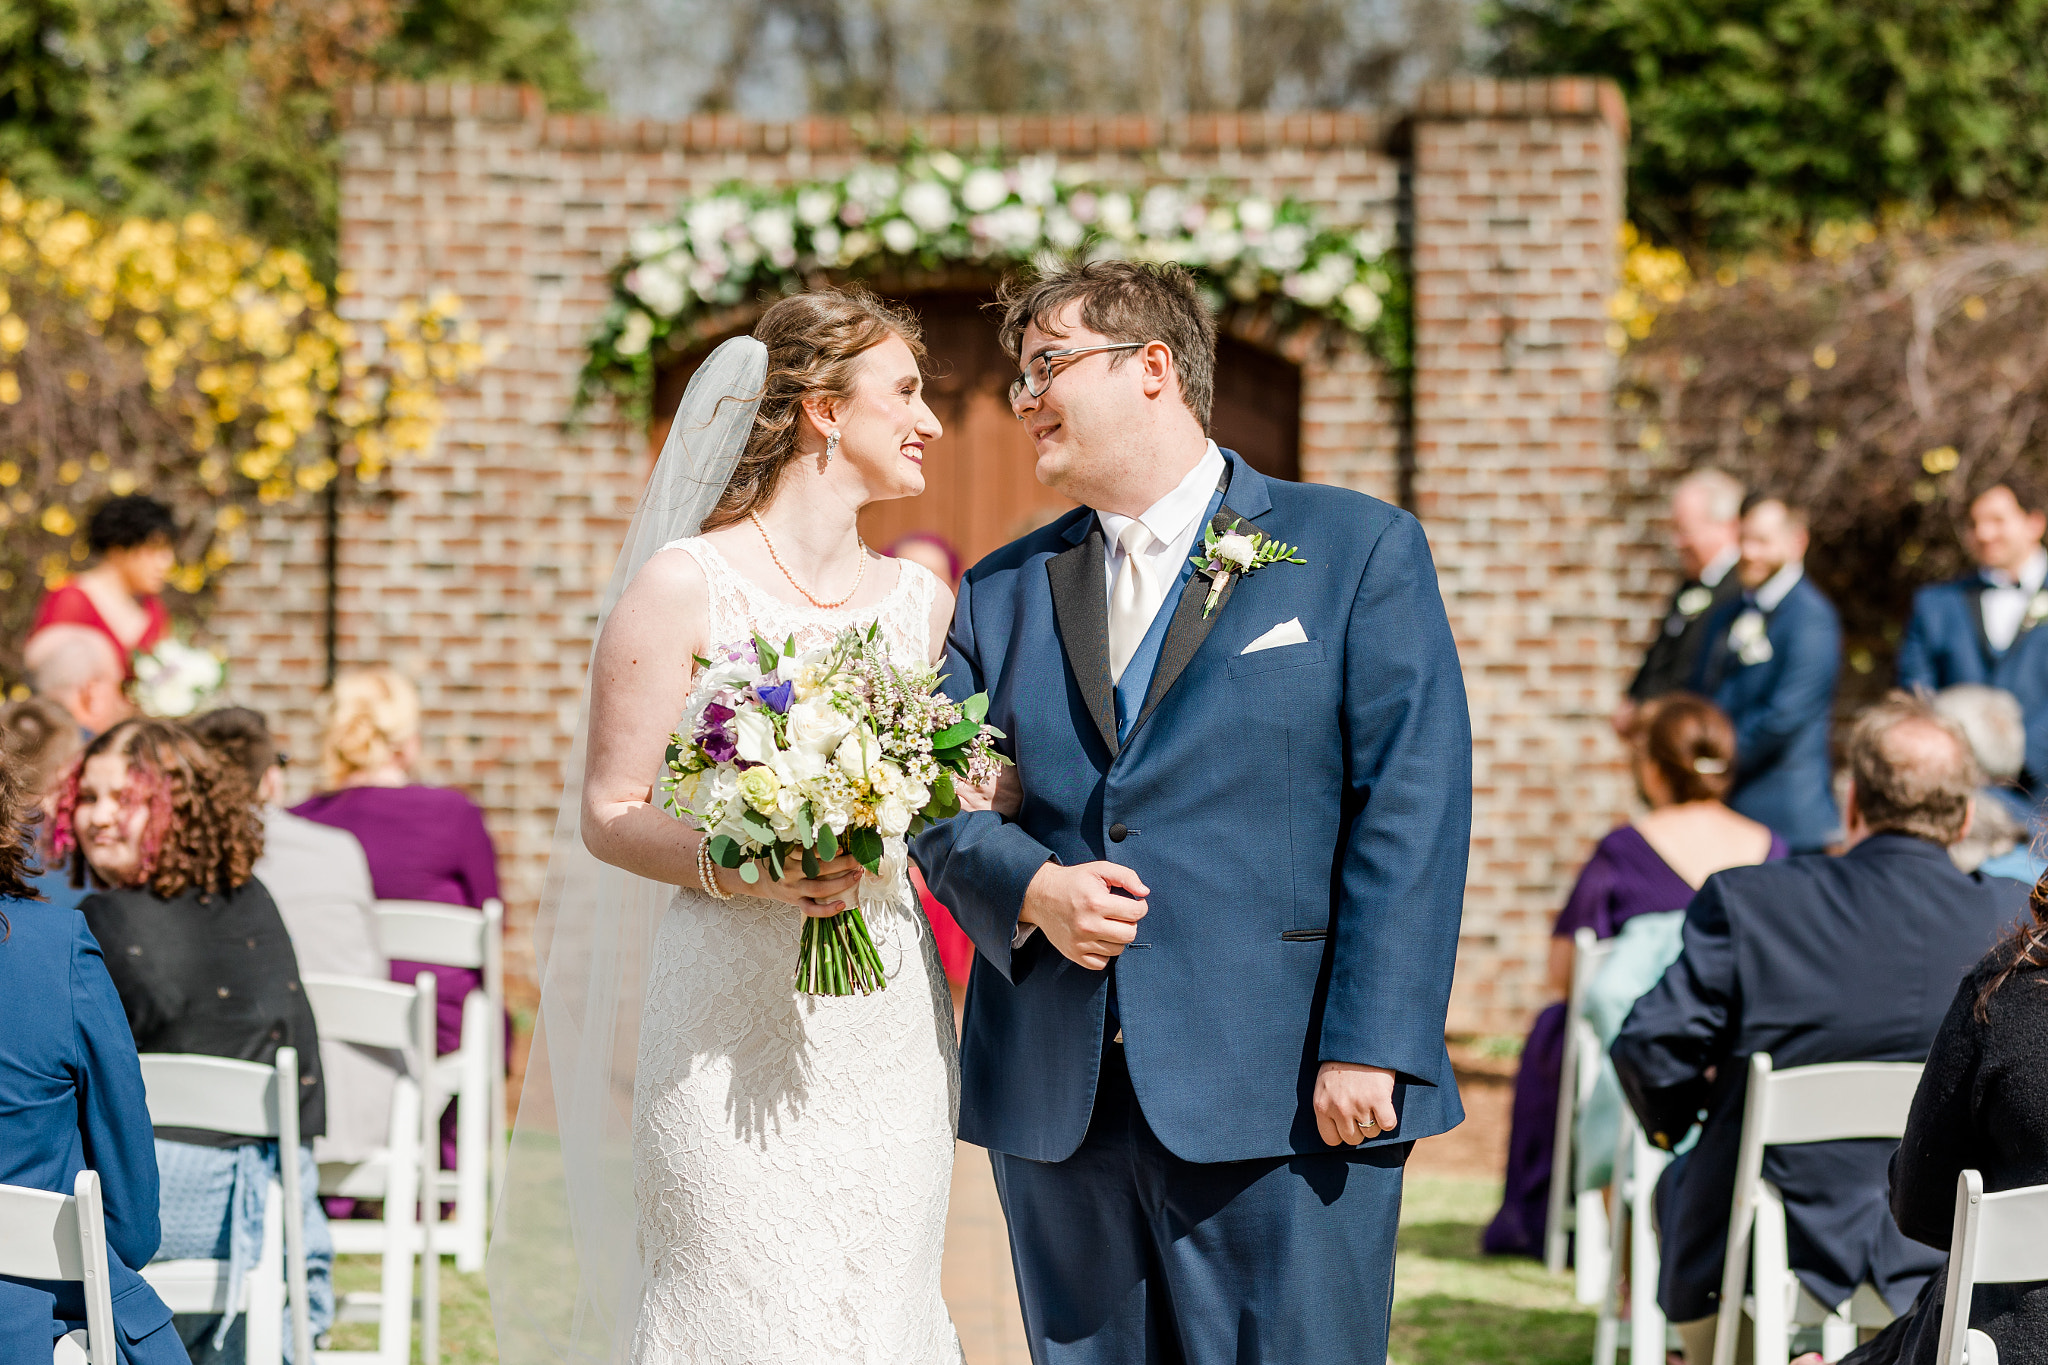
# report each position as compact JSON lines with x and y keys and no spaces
{"x":1174,"y":521}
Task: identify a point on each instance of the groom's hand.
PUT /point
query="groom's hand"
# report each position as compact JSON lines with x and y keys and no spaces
{"x":1353,"y":1103}
{"x":1079,"y":910}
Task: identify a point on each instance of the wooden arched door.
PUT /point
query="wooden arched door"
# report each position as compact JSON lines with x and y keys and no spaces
{"x":980,"y":492}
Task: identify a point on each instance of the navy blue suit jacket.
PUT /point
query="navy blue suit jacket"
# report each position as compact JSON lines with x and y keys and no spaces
{"x":1812,"y":959}
{"x":70,"y":1098}
{"x":1301,"y":816}
{"x":1945,"y":644}
{"x":1782,"y":708}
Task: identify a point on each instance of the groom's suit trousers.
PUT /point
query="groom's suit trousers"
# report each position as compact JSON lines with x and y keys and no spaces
{"x":1128,"y":1255}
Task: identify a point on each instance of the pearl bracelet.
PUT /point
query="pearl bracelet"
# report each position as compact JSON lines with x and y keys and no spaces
{"x":706,"y":876}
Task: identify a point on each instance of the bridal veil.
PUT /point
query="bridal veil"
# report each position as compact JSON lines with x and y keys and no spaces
{"x":564,"y":1270}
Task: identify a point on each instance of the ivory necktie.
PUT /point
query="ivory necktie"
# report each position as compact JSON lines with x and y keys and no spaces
{"x":1134,"y":601}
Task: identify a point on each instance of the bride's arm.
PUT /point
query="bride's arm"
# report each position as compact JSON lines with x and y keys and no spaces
{"x":639,"y":682}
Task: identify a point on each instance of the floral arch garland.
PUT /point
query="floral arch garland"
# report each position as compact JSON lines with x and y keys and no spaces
{"x":683,"y":280}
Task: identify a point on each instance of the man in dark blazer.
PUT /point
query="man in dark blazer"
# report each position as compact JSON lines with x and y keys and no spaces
{"x":1981,"y":629}
{"x":1814,"y":959}
{"x":1215,"y":930}
{"x":1770,"y":660}
{"x":1706,"y":518}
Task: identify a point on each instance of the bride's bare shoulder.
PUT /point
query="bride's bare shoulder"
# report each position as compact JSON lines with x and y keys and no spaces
{"x":668,"y":591}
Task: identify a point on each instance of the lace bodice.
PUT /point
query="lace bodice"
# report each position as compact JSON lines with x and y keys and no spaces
{"x":737,"y":607}
{"x":792,"y":1154}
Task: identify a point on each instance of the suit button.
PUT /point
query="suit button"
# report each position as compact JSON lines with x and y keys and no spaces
{"x":1117,"y":832}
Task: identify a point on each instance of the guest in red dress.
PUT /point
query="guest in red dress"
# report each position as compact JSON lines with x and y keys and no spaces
{"x":120,"y":595}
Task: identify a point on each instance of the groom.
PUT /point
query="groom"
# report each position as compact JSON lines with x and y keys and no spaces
{"x":1217,"y":913}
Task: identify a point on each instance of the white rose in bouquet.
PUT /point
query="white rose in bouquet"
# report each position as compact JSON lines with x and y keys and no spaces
{"x":858,"y":754}
{"x":818,"y":726}
{"x":175,"y":678}
{"x":892,"y":817}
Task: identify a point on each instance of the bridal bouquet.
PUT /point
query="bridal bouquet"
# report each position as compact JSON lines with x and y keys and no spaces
{"x":786,"y":759}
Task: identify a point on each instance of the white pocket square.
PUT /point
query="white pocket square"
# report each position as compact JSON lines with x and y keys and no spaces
{"x":1286,"y":633}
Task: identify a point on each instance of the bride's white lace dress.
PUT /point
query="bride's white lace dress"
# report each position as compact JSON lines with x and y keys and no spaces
{"x":792,"y":1154}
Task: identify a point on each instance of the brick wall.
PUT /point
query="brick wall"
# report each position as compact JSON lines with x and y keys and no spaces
{"x":477,"y":569}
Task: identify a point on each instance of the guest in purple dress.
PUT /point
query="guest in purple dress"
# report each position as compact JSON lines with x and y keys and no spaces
{"x":1682,"y":751}
{"x":422,"y":843}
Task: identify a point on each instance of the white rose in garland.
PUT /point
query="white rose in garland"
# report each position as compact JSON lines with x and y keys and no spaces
{"x":745,"y":242}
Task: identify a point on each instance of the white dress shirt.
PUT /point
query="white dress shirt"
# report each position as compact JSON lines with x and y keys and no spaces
{"x":1174,"y":521}
{"x":1718,"y":567}
{"x":1778,"y":584}
{"x":2005,"y":599}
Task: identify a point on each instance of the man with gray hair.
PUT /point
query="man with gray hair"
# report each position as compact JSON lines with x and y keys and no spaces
{"x":1814,"y":959}
{"x":1706,"y":511}
{"x":79,"y":668}
{"x":1991,"y":719}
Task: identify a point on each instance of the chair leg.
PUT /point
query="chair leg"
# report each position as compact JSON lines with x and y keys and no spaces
{"x":1607,"y":1331}
{"x":1646,"y":1320}
{"x":401,"y":1229}
{"x":1837,"y":1334}
{"x":472,"y":1137}
{"x":264,"y":1302}
{"x":1772,"y":1278}
{"x":1589,"y":1246}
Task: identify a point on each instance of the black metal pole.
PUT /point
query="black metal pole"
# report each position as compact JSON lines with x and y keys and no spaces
{"x":331,"y":506}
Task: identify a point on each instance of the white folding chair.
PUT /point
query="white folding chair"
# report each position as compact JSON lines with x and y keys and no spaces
{"x":380,"y":1014}
{"x":1584,"y":1213}
{"x":47,"y":1236}
{"x":1829,"y":1103}
{"x":474,"y":1074}
{"x":1999,"y":1239}
{"x":1637,"y":1165}
{"x":245,"y":1099}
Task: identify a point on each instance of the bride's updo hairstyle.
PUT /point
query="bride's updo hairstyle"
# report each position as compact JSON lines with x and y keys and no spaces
{"x":814,"y":342}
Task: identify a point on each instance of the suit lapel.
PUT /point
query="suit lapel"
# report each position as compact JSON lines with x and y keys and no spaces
{"x":1080,"y":604}
{"x":1187,"y":630}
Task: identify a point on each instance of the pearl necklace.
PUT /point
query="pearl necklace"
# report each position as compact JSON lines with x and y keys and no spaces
{"x":859,"y":573}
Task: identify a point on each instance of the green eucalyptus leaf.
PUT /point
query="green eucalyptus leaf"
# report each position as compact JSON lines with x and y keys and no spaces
{"x":750,"y":873}
{"x":757,"y":825}
{"x":975,"y":708}
{"x":726,"y":851}
{"x":955,"y":735}
{"x":828,"y":843}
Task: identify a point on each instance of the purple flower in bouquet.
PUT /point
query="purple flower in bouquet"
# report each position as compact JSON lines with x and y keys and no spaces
{"x":714,"y":733}
{"x":776,"y":698}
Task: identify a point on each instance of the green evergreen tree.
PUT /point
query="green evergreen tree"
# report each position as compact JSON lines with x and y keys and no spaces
{"x":1753,"y":119}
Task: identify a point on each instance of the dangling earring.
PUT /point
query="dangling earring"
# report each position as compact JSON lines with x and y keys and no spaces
{"x":831,"y":448}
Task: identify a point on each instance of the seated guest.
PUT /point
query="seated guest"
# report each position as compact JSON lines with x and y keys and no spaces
{"x":38,"y":740}
{"x":423,"y":843}
{"x":70,"y":1098}
{"x":81,"y":670}
{"x":1981,"y":629}
{"x":1813,"y":959}
{"x":321,"y":883}
{"x":1999,"y":837}
{"x":1770,"y":660}
{"x":1982,"y":1106}
{"x":1681,"y":751}
{"x":121,"y":595}
{"x":1706,"y":512}
{"x":203,"y":965}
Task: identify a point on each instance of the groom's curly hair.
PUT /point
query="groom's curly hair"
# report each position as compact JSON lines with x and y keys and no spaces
{"x":815,"y":341}
{"x":1124,"y":301}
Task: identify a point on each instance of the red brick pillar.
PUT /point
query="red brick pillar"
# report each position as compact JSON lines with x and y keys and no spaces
{"x":1517,"y":196}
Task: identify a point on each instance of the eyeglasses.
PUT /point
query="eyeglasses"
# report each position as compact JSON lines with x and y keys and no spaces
{"x":1037,"y":376}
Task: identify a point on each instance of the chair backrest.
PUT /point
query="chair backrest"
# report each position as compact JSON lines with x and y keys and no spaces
{"x":222,"y":1095}
{"x":1833,"y":1101}
{"x":48,"y":1236}
{"x":1997,"y":1240}
{"x":354,"y":1009}
{"x":424,"y":931}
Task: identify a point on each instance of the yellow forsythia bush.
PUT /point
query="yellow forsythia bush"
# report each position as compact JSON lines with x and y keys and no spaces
{"x":193,"y":364}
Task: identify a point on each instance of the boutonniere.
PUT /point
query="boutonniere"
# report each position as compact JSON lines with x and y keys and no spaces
{"x":1695,"y":600}
{"x":1235,"y":553}
{"x":1748,"y":638}
{"x":2037,"y":609}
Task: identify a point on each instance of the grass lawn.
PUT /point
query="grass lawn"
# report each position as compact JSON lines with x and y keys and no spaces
{"x":1452,"y":1306}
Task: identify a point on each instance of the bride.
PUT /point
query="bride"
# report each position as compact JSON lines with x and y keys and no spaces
{"x":791,"y":1154}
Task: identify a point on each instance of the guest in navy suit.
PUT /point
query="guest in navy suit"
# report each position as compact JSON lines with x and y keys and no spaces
{"x":1770,"y":662}
{"x":1981,"y":629}
{"x":1215,"y":918}
{"x":1814,"y":959}
{"x":70,"y":1098}
{"x":1706,"y":521}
